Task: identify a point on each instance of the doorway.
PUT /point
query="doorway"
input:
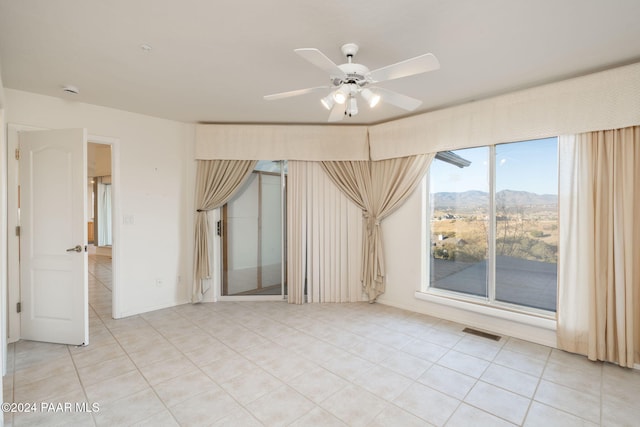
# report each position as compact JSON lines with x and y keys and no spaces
{"x":100,"y":228}
{"x":252,"y":228}
{"x":13,"y":220}
{"x":99,"y":197}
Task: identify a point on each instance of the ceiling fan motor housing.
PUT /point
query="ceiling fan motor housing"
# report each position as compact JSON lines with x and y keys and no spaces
{"x":354,"y":73}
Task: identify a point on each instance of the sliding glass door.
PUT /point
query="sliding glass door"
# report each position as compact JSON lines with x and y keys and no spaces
{"x":253,"y":233}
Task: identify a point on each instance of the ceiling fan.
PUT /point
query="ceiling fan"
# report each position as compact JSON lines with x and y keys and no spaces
{"x":350,"y":79}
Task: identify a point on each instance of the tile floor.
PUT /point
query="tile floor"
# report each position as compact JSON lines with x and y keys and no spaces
{"x":271,"y":363}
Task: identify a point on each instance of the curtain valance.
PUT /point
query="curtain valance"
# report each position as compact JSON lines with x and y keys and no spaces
{"x":604,"y":100}
{"x":281,"y":142}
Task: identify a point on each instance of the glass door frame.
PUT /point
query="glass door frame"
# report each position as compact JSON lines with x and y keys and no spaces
{"x":220,"y":250}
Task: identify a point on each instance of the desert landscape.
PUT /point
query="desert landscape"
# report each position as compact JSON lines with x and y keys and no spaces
{"x":526,"y":245}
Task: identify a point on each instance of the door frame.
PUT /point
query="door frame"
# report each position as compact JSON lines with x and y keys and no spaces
{"x":115,"y":214}
{"x":13,"y":241}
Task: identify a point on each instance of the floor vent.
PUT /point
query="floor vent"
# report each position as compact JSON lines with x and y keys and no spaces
{"x":482,"y":334}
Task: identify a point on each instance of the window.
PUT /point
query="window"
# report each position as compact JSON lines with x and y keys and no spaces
{"x":493,"y":224}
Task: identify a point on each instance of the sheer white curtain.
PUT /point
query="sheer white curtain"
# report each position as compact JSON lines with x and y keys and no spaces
{"x":599,"y":258}
{"x":104,"y":214}
{"x":324,"y":238}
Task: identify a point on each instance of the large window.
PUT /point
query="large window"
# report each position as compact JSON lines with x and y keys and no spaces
{"x":493,"y":215}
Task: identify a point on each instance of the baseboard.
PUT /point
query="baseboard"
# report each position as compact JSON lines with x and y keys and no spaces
{"x":150,"y":308}
{"x":500,"y":326}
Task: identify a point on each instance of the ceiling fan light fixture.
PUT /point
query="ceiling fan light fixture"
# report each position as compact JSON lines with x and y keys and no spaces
{"x":328,"y":101}
{"x":340,"y":95}
{"x":372,"y":98}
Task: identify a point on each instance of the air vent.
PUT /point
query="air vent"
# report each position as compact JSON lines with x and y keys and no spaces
{"x":71,"y":89}
{"x":482,"y":334}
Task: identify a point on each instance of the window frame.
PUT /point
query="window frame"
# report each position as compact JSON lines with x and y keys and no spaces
{"x":489,"y":301}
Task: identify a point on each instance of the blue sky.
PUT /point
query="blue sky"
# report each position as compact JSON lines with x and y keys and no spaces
{"x":524,"y":166}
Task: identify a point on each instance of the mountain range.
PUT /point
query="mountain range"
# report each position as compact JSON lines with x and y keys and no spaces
{"x":474,"y":198}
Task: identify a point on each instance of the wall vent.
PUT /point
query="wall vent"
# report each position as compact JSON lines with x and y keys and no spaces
{"x":482,"y":334}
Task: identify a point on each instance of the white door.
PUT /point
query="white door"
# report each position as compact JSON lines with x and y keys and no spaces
{"x":53,"y":236}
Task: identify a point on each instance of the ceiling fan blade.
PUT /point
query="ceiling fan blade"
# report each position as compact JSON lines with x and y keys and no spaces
{"x":294,"y":93}
{"x":337,"y":113}
{"x":408,"y":67}
{"x":320,"y":60}
{"x":403,"y":101}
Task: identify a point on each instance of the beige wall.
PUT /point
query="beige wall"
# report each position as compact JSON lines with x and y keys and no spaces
{"x":155,"y":172}
{"x":98,"y":160}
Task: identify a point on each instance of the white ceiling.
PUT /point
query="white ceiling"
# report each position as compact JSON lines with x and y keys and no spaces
{"x":212,"y":61}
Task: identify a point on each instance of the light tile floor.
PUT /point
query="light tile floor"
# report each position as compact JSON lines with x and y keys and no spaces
{"x":271,"y":363}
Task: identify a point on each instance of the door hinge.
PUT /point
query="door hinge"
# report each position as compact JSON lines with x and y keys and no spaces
{"x":17,"y":154}
{"x":219,"y":228}
{"x":18,"y":230}
{"x":19,"y":307}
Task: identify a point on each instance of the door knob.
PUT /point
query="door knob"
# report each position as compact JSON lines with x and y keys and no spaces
{"x":76,"y":248}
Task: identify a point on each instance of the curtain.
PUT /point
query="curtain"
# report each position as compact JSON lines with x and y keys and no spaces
{"x":324,"y":236}
{"x":216,"y":182}
{"x":599,"y":276}
{"x":377,"y":188}
{"x":104,"y":215}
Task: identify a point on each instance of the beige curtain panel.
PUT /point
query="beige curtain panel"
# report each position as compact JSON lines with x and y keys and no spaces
{"x":599,"y":268}
{"x":216,"y":182}
{"x":324,"y":238}
{"x":296,"y":233}
{"x":377,"y":188}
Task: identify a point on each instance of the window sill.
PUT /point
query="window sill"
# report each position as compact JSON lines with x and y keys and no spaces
{"x":530,"y":319}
